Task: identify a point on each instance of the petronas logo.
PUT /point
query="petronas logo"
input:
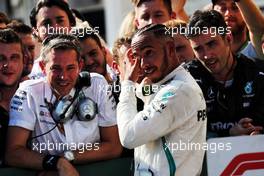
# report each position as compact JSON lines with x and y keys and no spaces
{"x":248,"y":87}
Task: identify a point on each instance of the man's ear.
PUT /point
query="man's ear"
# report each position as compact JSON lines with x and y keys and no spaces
{"x":115,"y":66}
{"x":81,"y":64}
{"x":136,"y":22}
{"x":229,"y":38}
{"x":36,"y":34}
{"x":170,"y":46}
{"x":173,"y":15}
{"x":42,"y":67}
{"x":171,"y":53}
{"x":104,"y":51}
{"x":108,"y":56}
{"x":129,"y":56}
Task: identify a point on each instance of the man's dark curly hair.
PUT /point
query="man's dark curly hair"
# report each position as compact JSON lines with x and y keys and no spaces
{"x":49,"y":3}
{"x":205,"y":19}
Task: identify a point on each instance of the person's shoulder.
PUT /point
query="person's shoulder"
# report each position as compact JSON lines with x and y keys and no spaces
{"x":97,"y":83}
{"x":259,"y":64}
{"x":97,"y":77}
{"x":178,"y":87}
{"x":249,"y":51}
{"x":193,"y":64}
{"x":97,"y":80}
{"x":179,"y":92}
{"x":198,"y":72}
{"x":250,"y":66}
{"x":28,"y":88}
{"x":31,"y":83}
{"x":195,"y":67}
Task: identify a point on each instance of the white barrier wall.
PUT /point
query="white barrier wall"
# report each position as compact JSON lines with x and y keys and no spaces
{"x":245,"y":156}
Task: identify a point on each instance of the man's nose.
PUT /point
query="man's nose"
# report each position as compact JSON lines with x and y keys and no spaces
{"x":207,"y":54}
{"x":63,"y":75}
{"x":229,"y":12}
{"x":88,"y":60}
{"x":4,"y":64}
{"x":144,"y":63}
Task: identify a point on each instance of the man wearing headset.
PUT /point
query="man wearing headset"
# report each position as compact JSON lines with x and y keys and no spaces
{"x":41,"y":115}
{"x":232,"y":84}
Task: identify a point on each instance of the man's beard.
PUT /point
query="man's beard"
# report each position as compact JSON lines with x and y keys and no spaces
{"x":163,"y":67}
{"x":238,"y":29}
{"x":103,"y":66}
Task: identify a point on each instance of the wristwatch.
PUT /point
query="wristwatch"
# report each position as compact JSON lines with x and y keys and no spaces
{"x":69,"y":155}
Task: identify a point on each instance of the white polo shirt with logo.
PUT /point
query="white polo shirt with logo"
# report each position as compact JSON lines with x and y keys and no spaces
{"x":29,"y":110}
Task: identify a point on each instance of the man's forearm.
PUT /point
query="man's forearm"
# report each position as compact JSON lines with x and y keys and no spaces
{"x":108,"y":148}
{"x":25,"y":158}
{"x":255,"y":23}
{"x":250,"y":11}
{"x":105,"y":151}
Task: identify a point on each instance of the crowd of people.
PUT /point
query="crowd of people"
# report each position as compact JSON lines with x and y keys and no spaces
{"x":67,"y":99}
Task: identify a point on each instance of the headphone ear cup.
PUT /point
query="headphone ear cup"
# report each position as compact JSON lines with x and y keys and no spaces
{"x":84,"y":80}
{"x":87,"y":109}
{"x":63,"y":111}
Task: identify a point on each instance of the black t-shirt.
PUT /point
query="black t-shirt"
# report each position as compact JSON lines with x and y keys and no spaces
{"x":4,"y":118}
{"x":227,"y":105}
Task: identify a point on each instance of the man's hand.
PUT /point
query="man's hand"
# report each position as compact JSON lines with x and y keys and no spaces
{"x":132,"y":67}
{"x":178,"y":5}
{"x":245,"y":127}
{"x":65,"y":168}
{"x":178,"y":8}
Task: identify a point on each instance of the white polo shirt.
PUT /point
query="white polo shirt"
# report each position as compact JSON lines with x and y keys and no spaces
{"x":29,"y":110}
{"x":175,"y":110}
{"x":36,"y":72}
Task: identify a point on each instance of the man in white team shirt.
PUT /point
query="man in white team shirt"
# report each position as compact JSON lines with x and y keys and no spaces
{"x":174,"y":109}
{"x":74,"y":140}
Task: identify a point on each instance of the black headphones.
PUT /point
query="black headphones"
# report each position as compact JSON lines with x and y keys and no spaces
{"x":65,"y":108}
{"x":83,"y":106}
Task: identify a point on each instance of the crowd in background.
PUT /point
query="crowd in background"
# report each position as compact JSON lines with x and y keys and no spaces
{"x":169,"y":78}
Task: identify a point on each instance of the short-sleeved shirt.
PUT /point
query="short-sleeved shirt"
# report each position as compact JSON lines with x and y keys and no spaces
{"x":36,"y":72}
{"x":29,"y":110}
